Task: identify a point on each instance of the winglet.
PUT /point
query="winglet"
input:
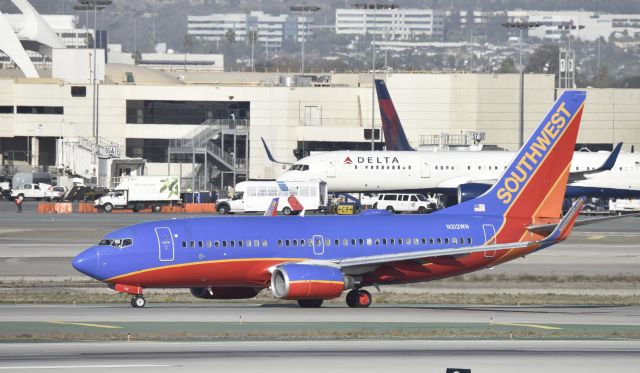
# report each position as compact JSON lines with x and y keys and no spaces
{"x":269,"y":155}
{"x":394,"y":136}
{"x":611,"y":160}
{"x":273,"y":208}
{"x":562,"y":230}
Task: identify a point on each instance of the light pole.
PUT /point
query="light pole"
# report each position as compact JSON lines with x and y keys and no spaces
{"x":566,"y":62}
{"x":374,"y":7}
{"x":521,"y":26}
{"x":304,"y":9}
{"x":94,"y":5}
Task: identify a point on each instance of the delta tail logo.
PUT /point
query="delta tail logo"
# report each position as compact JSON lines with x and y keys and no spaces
{"x":348,"y":161}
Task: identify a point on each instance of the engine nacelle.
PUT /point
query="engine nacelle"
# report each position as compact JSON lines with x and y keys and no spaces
{"x":221,"y":292}
{"x":308,"y":281}
{"x":471,"y":190}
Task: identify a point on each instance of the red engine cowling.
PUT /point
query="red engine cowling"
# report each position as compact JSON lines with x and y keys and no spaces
{"x":235,"y":292}
{"x":306,"y":281}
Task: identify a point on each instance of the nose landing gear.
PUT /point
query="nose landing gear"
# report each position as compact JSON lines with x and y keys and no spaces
{"x":358,"y":298}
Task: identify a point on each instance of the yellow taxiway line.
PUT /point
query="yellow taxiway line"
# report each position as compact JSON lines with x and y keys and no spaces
{"x":528,"y":325}
{"x":85,"y":324}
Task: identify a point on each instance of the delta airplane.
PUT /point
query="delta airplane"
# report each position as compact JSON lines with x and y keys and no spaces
{"x":467,"y":174}
{"x":311,"y":259}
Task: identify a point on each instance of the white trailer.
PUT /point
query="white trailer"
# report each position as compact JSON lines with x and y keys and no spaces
{"x":621,"y":205}
{"x":139,"y":192}
{"x":256,"y":196}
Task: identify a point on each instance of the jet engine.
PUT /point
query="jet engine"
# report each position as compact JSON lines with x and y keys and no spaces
{"x":220,"y":292}
{"x":471,"y":190}
{"x":308,"y":281}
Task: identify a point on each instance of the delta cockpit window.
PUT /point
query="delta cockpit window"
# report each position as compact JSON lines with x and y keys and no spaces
{"x":299,"y":167}
{"x":116,"y":242}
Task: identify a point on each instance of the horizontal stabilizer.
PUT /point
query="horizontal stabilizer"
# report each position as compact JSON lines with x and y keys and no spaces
{"x":606,"y":166}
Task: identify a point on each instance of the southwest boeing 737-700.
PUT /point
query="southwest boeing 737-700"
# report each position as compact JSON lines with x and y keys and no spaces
{"x":311,"y":259}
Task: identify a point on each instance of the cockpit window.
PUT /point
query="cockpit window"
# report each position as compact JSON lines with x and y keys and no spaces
{"x":115,"y":242}
{"x":299,"y":167}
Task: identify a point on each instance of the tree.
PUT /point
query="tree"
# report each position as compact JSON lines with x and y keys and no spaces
{"x":603,"y":78}
{"x":188,"y":43}
{"x":136,"y":56}
{"x":543,"y":60}
{"x":230,"y":36}
{"x":508,"y":66}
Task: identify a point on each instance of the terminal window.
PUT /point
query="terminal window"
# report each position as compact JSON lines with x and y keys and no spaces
{"x":78,"y":91}
{"x":58,"y":110}
{"x":6,"y":109}
{"x":184,"y":112}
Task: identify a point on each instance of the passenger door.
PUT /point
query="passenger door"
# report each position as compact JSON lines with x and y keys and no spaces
{"x":166,"y":249}
{"x":318,"y":244}
{"x":425,"y":167}
{"x":489,"y":239}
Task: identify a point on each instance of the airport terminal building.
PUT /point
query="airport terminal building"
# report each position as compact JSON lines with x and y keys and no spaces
{"x":207,"y":126}
{"x":159,"y":118}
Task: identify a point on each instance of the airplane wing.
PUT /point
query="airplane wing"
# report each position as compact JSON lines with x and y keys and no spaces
{"x":269,"y":155}
{"x":559,"y":233}
{"x":606,"y":166}
{"x":546,"y":228}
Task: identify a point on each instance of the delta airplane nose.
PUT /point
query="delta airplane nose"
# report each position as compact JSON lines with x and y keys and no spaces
{"x":87,"y":262}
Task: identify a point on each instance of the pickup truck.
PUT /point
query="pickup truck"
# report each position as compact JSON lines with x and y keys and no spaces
{"x":55,"y":193}
{"x":32,"y":191}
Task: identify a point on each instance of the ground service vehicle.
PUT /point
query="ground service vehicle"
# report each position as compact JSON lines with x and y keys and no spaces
{"x":405,"y":202}
{"x":55,"y":193}
{"x":30,"y":191}
{"x":140,"y":192}
{"x":255,"y":196}
{"x":622,"y":205}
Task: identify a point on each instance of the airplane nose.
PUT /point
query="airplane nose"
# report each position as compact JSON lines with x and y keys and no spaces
{"x":87,"y":262}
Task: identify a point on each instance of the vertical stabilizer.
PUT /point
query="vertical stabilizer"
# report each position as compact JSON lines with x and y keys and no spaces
{"x":394,"y":137}
{"x":534,"y":183}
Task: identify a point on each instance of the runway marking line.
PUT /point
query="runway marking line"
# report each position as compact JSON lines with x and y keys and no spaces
{"x":596,"y":237}
{"x":546,"y":327}
{"x":85,"y":324}
{"x":83,"y":366}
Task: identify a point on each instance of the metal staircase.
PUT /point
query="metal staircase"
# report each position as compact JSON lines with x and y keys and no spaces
{"x":209,"y":140}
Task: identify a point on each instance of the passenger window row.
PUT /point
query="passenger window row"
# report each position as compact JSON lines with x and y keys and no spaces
{"x":383,"y":167}
{"x":224,"y":243}
{"x":375,"y":241}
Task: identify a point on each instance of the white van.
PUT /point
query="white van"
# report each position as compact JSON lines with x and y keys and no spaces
{"x":405,"y":202}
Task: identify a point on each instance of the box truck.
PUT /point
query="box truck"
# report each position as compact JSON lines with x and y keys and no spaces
{"x":140,"y":192}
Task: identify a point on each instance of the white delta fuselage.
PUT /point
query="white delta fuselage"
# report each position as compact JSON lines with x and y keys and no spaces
{"x":367,"y":171}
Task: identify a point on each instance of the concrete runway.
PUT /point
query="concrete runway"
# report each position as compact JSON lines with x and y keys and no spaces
{"x":290,"y":313}
{"x":326,"y":356}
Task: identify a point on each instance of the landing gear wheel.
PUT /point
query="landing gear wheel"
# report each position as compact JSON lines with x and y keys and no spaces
{"x":138,"y":301}
{"x":358,"y":298}
{"x":310,"y":303}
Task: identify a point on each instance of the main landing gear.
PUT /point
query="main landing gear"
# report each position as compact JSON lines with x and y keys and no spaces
{"x":138,"y":301}
{"x":358,"y":298}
